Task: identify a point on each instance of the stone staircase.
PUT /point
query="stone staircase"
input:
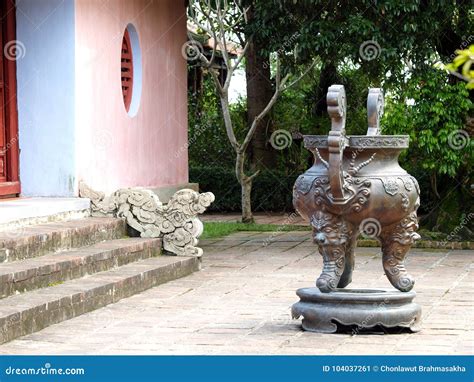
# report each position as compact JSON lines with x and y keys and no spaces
{"x":56,"y":271}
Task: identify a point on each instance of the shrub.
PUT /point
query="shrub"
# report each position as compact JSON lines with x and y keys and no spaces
{"x":272,"y":190}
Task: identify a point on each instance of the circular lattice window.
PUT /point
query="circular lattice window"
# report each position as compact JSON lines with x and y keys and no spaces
{"x":131,"y":70}
{"x":127,"y":70}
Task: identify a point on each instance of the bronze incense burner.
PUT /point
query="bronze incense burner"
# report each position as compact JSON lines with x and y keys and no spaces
{"x":356,"y":186}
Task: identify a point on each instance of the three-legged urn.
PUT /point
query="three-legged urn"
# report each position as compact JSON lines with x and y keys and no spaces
{"x":356,"y":186}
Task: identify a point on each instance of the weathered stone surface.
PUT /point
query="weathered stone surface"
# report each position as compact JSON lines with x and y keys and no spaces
{"x":20,"y":212}
{"x":240,"y":303}
{"x":29,"y":312}
{"x":34,"y":241}
{"x":30,"y":274}
{"x":176,"y":222}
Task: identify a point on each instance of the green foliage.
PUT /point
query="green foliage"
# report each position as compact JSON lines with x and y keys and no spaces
{"x":207,"y":140}
{"x":295,"y":110}
{"x":405,"y":31}
{"x":433,"y":111}
{"x":272,"y":190}
{"x":420,"y":100}
{"x":464,"y":61}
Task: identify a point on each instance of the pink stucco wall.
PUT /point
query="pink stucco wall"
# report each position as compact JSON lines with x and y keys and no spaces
{"x":113,"y":149}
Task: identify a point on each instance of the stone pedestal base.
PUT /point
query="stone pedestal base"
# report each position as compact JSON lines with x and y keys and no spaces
{"x":356,"y":308}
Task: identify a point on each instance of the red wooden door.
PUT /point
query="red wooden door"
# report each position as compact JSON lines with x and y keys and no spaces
{"x":9,"y":172}
{"x":3,"y":130}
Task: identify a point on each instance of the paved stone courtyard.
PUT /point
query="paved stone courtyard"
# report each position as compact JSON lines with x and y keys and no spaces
{"x":260,"y":218}
{"x":240,"y":304}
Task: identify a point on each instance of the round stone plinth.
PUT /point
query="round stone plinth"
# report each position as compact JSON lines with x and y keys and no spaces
{"x":359,"y":308}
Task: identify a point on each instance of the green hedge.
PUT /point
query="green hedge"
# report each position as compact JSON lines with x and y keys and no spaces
{"x":272,"y":190}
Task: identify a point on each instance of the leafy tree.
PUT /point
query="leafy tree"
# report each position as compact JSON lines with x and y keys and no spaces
{"x":360,"y":43}
{"x":225,"y":23}
{"x":384,"y":38}
{"x":432,"y":110}
{"x":463,"y":62}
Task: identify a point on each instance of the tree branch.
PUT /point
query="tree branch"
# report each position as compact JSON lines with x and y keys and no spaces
{"x":213,"y":73}
{"x":229,"y":127}
{"x":300,"y":77}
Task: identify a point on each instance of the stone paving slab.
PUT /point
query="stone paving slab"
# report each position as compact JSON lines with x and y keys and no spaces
{"x":260,"y":218}
{"x":240,"y":304}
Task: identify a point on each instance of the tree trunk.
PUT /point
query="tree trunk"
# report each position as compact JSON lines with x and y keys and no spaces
{"x":247,"y":216}
{"x":327,"y":78}
{"x":434,"y":185}
{"x":246,"y":187}
{"x":259,"y":92}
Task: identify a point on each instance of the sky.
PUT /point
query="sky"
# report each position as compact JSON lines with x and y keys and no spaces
{"x":237,"y":86}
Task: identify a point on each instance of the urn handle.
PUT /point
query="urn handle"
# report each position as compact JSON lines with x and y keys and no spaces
{"x":375,"y":104}
{"x":337,"y":141}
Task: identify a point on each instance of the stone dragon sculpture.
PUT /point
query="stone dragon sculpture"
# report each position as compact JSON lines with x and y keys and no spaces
{"x":175,"y":222}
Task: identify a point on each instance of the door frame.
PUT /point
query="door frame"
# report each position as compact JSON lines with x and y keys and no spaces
{"x":12,"y":186}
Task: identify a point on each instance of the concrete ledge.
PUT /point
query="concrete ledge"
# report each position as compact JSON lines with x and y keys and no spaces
{"x":29,"y":211}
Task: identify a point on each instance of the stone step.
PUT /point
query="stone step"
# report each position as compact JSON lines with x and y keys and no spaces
{"x":32,"y":311}
{"x":34,"y":241}
{"x":40,"y":272}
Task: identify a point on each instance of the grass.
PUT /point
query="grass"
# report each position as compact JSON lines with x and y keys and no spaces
{"x":214,"y":230}
{"x":55,"y":283}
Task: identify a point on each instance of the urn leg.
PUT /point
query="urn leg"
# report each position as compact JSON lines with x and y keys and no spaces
{"x":346,"y":277}
{"x":332,"y":233}
{"x":333,"y":267}
{"x":396,"y":242}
